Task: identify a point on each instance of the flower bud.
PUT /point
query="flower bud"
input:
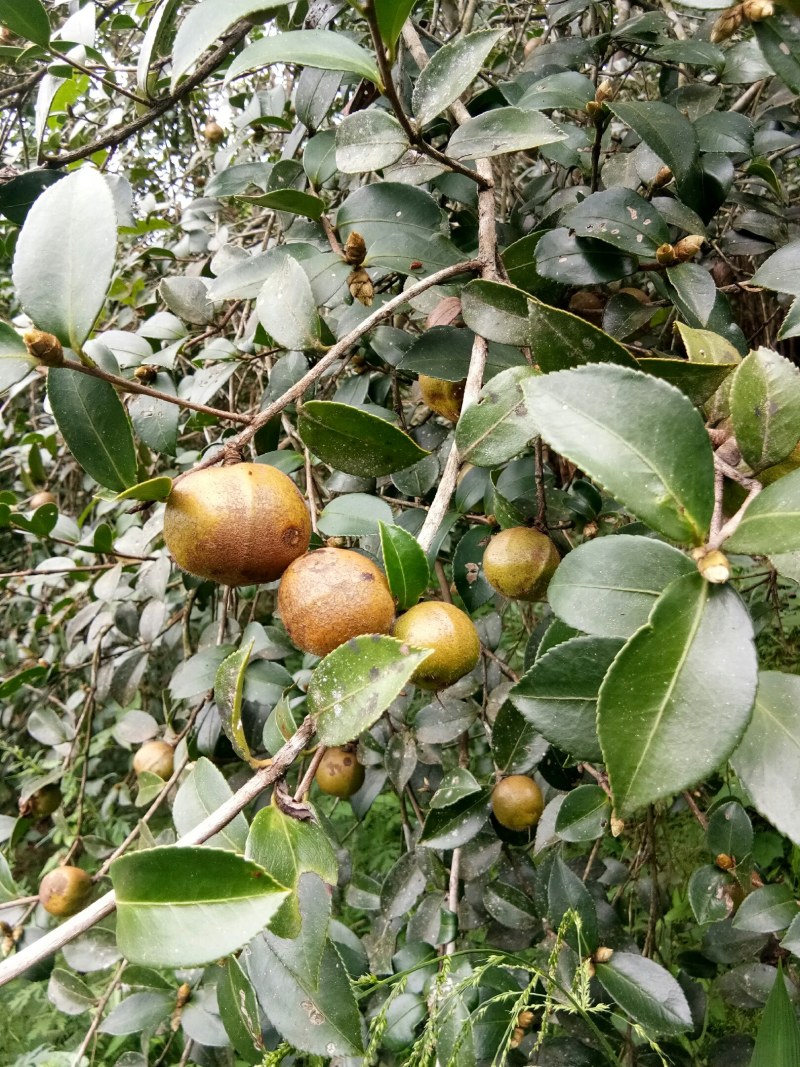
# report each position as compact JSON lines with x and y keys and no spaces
{"x":663,"y":177}
{"x":516,"y":1037}
{"x":714,"y":567}
{"x":604,"y":92}
{"x":757,"y":10}
{"x":146,"y":374}
{"x":355,"y":249}
{"x":665,"y":255}
{"x":361,"y":288}
{"x":525,"y":1019}
{"x":727,"y":24}
{"x":603,"y":954}
{"x":44,"y":347}
{"x":725,"y":862}
{"x":688,"y":247}
{"x":594,"y":110}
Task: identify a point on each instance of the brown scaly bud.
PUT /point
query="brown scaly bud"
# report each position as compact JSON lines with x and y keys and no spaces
{"x":604,"y":91}
{"x":146,"y":374}
{"x":182,"y":999}
{"x":688,"y":247}
{"x":727,"y":24}
{"x":525,"y":1019}
{"x":662,"y":178}
{"x":594,"y":110}
{"x":757,"y":10}
{"x":665,"y":255}
{"x":713,"y":565}
{"x":44,"y":347}
{"x":361,"y":288}
{"x":603,"y":954}
{"x":336,"y":542}
{"x":355,"y":249}
{"x":590,"y":530}
{"x":725,"y":862}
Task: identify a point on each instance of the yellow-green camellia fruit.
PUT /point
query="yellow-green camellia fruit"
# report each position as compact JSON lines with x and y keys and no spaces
{"x":236,"y":525}
{"x":157,"y":757}
{"x":517,"y":802}
{"x":441,"y":396}
{"x":41,"y":803}
{"x":339,"y":773}
{"x":64,"y":891}
{"x":328,"y":596}
{"x":450,"y":633}
{"x":520,"y":562}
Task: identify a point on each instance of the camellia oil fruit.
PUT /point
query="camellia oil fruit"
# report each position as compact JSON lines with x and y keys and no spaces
{"x":236,"y":525}
{"x":328,"y":596}
{"x":520,"y":562}
{"x":451,"y":634}
{"x":339,"y":773}
{"x":64,"y":891}
{"x":517,"y":802}
{"x":157,"y":757}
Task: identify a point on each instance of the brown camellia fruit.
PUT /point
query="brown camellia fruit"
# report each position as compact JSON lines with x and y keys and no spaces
{"x":157,"y":757}
{"x":39,"y":499}
{"x":517,"y":802}
{"x":64,"y":891}
{"x":41,"y":803}
{"x":236,"y":525}
{"x":520,"y":562}
{"x":213,"y":132}
{"x":451,"y":634}
{"x":441,"y":396}
{"x":328,"y":596}
{"x":339,"y":773}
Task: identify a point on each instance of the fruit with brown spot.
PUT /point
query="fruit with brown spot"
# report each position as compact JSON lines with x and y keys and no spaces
{"x":445,"y":398}
{"x":517,"y":802}
{"x":339,"y":773}
{"x":328,"y":596}
{"x":41,"y":803}
{"x":236,"y":525}
{"x":520,"y":562}
{"x":451,"y":634}
{"x":64,"y":891}
{"x":157,"y":757}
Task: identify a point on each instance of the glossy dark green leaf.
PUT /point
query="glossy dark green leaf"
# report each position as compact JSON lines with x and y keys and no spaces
{"x":15,"y":362}
{"x":355,"y":441}
{"x":500,"y":131}
{"x":308,"y":48}
{"x":772,"y":520}
{"x":26,"y":18}
{"x":65,"y":256}
{"x":516,"y":746}
{"x":580,"y":260}
{"x":567,"y":893}
{"x":228,"y":690}
{"x":669,"y":134}
{"x":725,"y":131}
{"x":765,"y":408}
{"x":496,"y":311}
{"x":781,"y":271}
{"x":698,"y":381}
{"x":95,"y":425}
{"x":769,"y":752}
{"x":519,"y":260}
{"x":353,"y":685}
{"x":608,"y":586}
{"x":565,"y":89}
{"x":156,"y":421}
{"x":454,"y":787}
{"x":730,"y":831}
{"x":500,"y":425}
{"x":779,"y":43}
{"x":294,"y":201}
{"x":450,"y":72}
{"x":354,"y":515}
{"x":452,"y":826}
{"x":560,"y":340}
{"x":790,"y":327}
{"x":647,"y":992}
{"x":637,"y":436}
{"x":201,"y":793}
{"x":659,"y":729}
{"x":558,"y":694}
{"x":391,"y":14}
{"x":238,"y":1009}
{"x":19,"y":193}
{"x":709,"y":893}
{"x":620,"y":218}
{"x":286,"y":307}
{"x":368,"y":140}
{"x":406,"y":565}
{"x":692,"y":53}
{"x":765,"y":910}
{"x":139,"y":1011}
{"x":584,"y":815}
{"x":624,"y":315}
{"x":180,"y":907}
{"x":778,"y":1038}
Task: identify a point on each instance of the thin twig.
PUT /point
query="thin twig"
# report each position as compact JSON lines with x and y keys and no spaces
{"x":305,"y":782}
{"x":98,"y":1014}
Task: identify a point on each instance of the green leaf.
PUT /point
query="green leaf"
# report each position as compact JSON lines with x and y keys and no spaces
{"x":95,"y":425}
{"x":516,"y":746}
{"x":369,"y":140}
{"x":180,"y":907}
{"x":765,"y":408}
{"x":637,"y":436}
{"x":156,"y":42}
{"x":156,"y":421}
{"x":781,"y":270}
{"x":558,"y":695}
{"x":238,"y":1009}
{"x":620,"y":218}
{"x":560,"y":340}
{"x":201,"y":793}
{"x":455,"y":785}
{"x":452,"y":826}
{"x":228,"y":689}
{"x":698,"y":381}
{"x":65,"y":256}
{"x":354,"y":515}
{"x":18,"y":195}
{"x":353,"y":685}
{"x":566,"y":89}
{"x":286,"y":307}
{"x":468,"y":575}
{"x":707,"y":347}
{"x":769,"y":753}
{"x":520,"y":263}
{"x":406,"y":565}
{"x":780,"y":46}
{"x":670,"y":135}
{"x":292,"y":200}
{"x":608,"y":586}
{"x":152,"y":489}
{"x":391,"y":14}
{"x":572,"y":260}
{"x":324,"y":49}
{"x":772,"y":520}
{"x":646,"y":992}
{"x":450,"y":72}
{"x":675,"y":701}
{"x":765,"y":910}
{"x":500,"y":131}
{"x":355,"y":441}
{"x":790,"y":327}
{"x":500,"y":425}
{"x":496,"y":311}
{"x":205,"y":23}
{"x":15,"y":361}
{"x":730,"y":830}
{"x":26,"y":18}
{"x":584,"y":815}
{"x":778,"y":1038}
{"x":709,"y":893}
{"x":565,"y":893}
